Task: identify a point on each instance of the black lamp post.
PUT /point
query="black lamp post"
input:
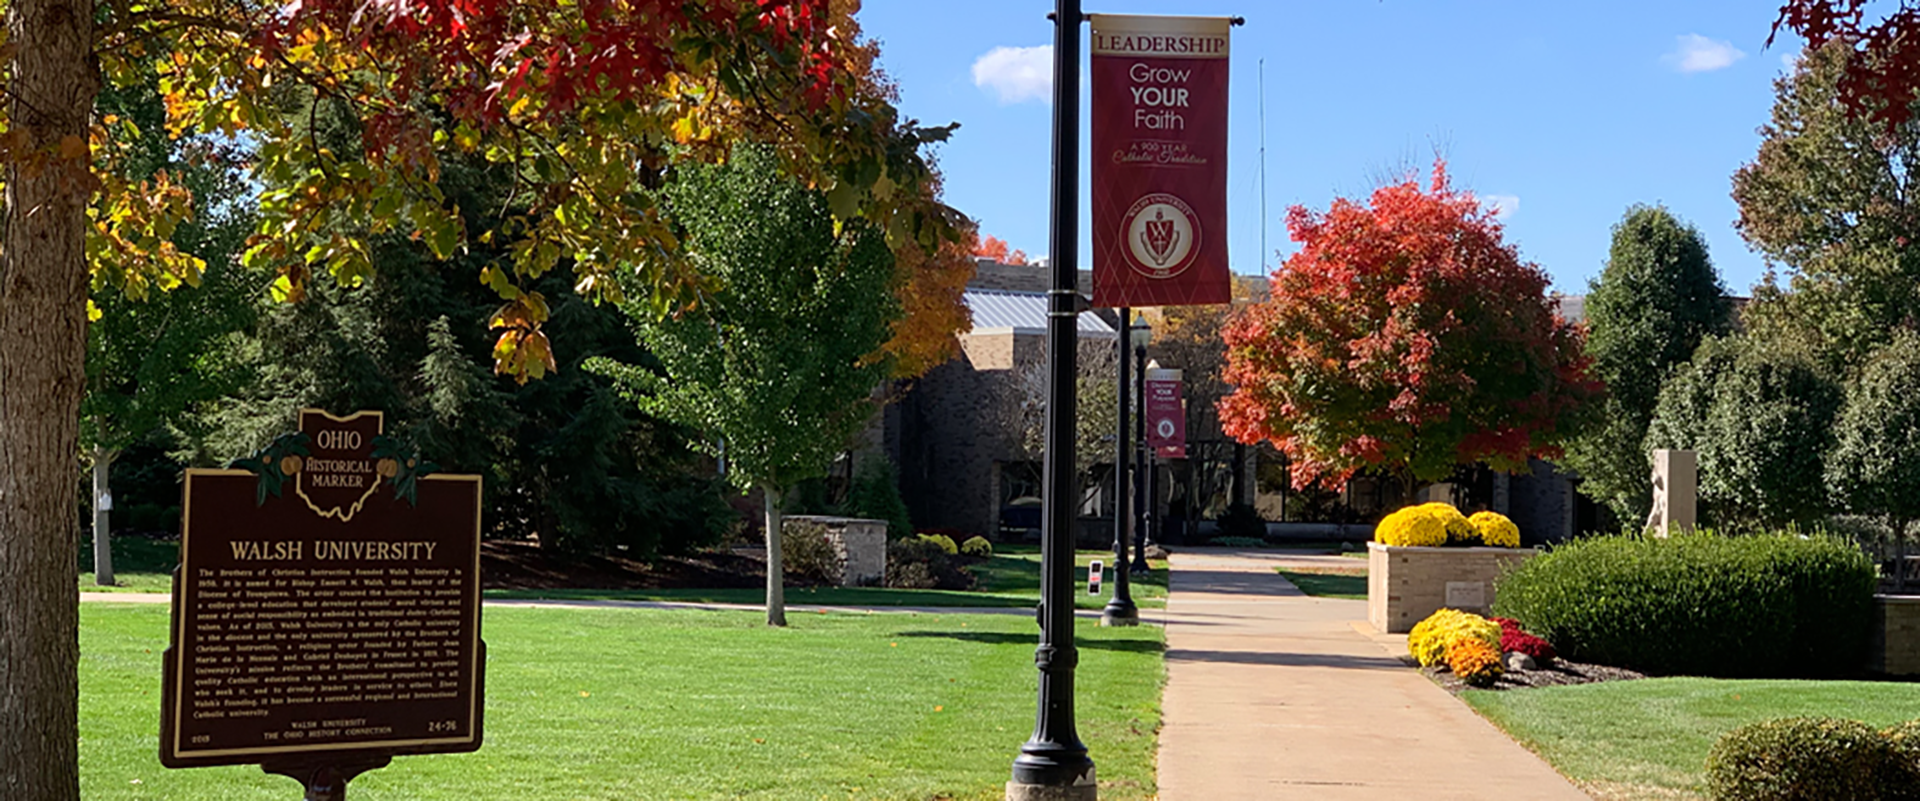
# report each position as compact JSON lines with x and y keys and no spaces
{"x":1053,"y":764}
{"x":1139,"y":334}
{"x":1121,"y":610}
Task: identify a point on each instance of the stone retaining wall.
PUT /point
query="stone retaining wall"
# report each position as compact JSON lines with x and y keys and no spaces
{"x":859,"y":546}
{"x":1405,"y":585}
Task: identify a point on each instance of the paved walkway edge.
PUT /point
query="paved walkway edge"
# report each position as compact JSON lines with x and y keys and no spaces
{"x":1273,"y":694}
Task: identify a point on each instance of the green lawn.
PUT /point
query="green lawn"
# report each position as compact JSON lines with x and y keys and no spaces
{"x":635,"y":703}
{"x":1328,"y":583}
{"x":1008,"y":579}
{"x":1649,"y":739}
{"x":1011,"y":578}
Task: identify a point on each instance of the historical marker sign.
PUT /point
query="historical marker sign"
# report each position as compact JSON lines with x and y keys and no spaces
{"x":1159,"y":160}
{"x":327,"y":605}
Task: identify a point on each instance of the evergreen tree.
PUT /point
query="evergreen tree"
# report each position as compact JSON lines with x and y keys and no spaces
{"x":1656,"y":299}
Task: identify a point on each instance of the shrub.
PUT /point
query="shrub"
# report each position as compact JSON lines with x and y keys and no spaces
{"x":1474,"y":661}
{"x":1459,"y":531}
{"x":1516,"y":639}
{"x":875,"y":495}
{"x":1900,"y":779}
{"x":1237,"y":542}
{"x":1429,"y":639}
{"x":1699,"y":604}
{"x":1242,"y":520}
{"x":944,"y":542}
{"x":1495,"y":529}
{"x":805,"y":551}
{"x":918,"y":564}
{"x":1797,"y":759}
{"x":977,"y":546}
{"x":1409,"y":527}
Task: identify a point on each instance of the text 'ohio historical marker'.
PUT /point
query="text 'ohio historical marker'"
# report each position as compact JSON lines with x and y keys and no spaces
{"x":326,"y":608}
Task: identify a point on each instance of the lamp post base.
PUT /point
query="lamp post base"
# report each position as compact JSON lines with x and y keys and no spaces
{"x":1078,"y":791}
{"x":1119,"y":613}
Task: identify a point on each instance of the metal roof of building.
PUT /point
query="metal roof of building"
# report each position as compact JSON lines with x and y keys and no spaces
{"x":1023,"y":312}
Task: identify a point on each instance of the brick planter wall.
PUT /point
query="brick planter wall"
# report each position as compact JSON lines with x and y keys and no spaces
{"x":1405,"y":585}
{"x":1895,"y":649}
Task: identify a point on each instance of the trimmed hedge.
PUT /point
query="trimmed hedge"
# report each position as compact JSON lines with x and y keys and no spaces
{"x":1699,"y":604}
{"x":1900,"y":777}
{"x":1798,"y":759}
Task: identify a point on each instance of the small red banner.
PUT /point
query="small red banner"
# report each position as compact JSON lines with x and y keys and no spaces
{"x":1166,"y":419}
{"x":1159,"y":161}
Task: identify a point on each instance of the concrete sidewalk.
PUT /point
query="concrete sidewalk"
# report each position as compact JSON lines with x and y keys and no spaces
{"x":1272,"y":694}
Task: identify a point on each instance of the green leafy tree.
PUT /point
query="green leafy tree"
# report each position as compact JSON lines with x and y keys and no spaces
{"x":1873,"y":469}
{"x":1833,"y":198}
{"x":776,"y":367}
{"x":583,"y":102}
{"x":152,"y":359}
{"x":1656,"y":299}
{"x":1761,"y":419}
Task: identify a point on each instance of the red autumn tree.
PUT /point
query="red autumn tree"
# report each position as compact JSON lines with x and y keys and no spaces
{"x":995,"y":248}
{"x":1404,"y":336}
{"x":1881,"y":84}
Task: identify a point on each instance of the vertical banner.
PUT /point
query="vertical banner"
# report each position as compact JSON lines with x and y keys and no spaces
{"x":1166,"y":418}
{"x":1159,"y":160}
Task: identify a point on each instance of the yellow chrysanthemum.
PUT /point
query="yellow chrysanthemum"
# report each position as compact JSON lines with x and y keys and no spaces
{"x":1429,"y":639}
{"x":1459,"y":531}
{"x":1411,"y":527}
{"x":1495,"y":529}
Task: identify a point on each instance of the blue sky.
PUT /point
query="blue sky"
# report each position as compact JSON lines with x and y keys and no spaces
{"x":1566,"y":113}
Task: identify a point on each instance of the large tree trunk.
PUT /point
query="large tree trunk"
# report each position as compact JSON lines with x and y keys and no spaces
{"x":102,"y":511}
{"x":776,"y":566}
{"x":51,"y":85}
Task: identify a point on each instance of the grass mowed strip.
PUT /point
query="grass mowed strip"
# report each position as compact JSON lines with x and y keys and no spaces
{"x":689,"y":704}
{"x":1649,"y":738}
{"x":1007,"y":579}
{"x":1346,"y":583}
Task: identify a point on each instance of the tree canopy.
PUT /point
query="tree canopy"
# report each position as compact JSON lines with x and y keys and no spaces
{"x":1406,"y":336}
{"x":585,"y":104}
{"x":1760,"y":415}
{"x":776,"y":366}
{"x":1657,"y":297}
{"x":1830,"y":198}
{"x":1872,"y":470}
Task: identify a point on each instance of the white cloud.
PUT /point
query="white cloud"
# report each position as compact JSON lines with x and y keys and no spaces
{"x":1504,"y":206}
{"x":1696,"y":53}
{"x":1015,"y":74}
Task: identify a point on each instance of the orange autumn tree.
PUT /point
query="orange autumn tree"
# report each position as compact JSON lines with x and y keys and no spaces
{"x":995,"y":248}
{"x":930,"y":284}
{"x":1405,"y":336}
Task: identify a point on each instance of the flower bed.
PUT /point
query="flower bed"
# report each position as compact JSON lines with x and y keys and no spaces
{"x":1428,"y":557}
